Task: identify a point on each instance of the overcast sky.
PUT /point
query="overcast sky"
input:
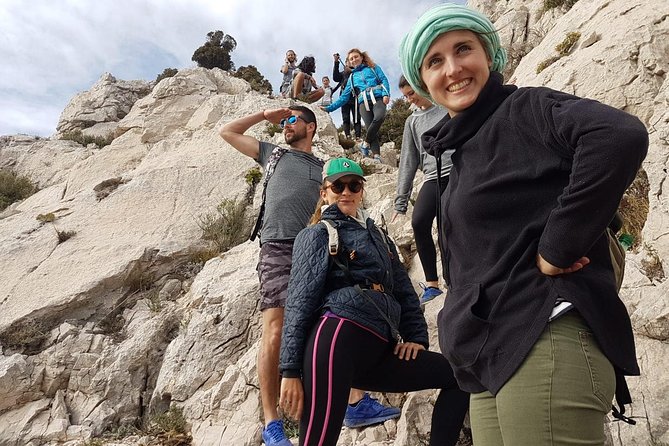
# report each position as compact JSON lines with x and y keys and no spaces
{"x":51,"y":50}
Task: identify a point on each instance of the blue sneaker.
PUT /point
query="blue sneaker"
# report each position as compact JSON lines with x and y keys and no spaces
{"x":274,"y":435}
{"x":364,"y":149}
{"x":429,"y":293}
{"x":369,"y":411}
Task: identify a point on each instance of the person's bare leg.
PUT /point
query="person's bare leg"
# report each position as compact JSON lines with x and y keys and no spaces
{"x":297,"y":84}
{"x":355,"y":395}
{"x":434,"y":284}
{"x":316,"y":95}
{"x":268,"y":362}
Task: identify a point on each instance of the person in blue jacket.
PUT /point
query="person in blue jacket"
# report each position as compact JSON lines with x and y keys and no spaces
{"x":532,"y":324}
{"x":369,"y":86}
{"x":342,"y":316}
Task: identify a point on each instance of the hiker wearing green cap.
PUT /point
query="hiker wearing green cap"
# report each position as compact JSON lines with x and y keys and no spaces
{"x":532,"y":325}
{"x":353,"y":319}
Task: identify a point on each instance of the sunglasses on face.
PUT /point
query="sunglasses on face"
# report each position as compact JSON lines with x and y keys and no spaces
{"x":291,"y":120}
{"x":338,"y":187}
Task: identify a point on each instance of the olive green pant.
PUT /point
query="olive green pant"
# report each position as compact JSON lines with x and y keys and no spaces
{"x":560,"y":395}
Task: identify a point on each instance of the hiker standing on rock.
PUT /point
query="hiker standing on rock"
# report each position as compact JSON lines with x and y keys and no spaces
{"x":532,"y":325}
{"x":412,"y":157}
{"x":288,"y":203}
{"x":353,"y":319}
{"x":369,"y":86}
{"x":348,"y":108}
{"x":287,"y":70}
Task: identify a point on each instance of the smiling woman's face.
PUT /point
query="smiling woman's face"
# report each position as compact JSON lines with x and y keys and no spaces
{"x":347,"y":201}
{"x":455,"y":69}
{"x":354,"y":59}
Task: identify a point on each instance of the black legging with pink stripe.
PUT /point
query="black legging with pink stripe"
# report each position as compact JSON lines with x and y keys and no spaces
{"x":341,"y":354}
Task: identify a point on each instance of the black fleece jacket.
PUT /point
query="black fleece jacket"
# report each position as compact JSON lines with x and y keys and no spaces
{"x":534,"y":171}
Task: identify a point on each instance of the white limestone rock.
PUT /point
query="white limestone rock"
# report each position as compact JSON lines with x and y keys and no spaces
{"x":108,"y":101}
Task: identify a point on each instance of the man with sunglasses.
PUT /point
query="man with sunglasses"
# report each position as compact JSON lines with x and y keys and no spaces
{"x":291,"y":196}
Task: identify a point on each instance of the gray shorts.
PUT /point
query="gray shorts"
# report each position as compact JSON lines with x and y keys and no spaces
{"x":274,"y":265}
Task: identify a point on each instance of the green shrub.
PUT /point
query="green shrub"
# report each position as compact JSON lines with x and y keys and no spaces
{"x":105,"y":188}
{"x":64,"y":236}
{"x":216,"y":51}
{"x":78,"y":137}
{"x":153,"y":301}
{"x":634,"y":208}
{"x":46,"y":218}
{"x":253,"y":176}
{"x":564,"y":48}
{"x":14,"y":188}
{"x":167,"y":72}
{"x":169,"y":428}
{"x":392,"y":128}
{"x":25,"y":335}
{"x":227,"y":226}
{"x":547,"y":63}
{"x":171,"y":421}
{"x":272,"y":129}
{"x":255,"y":79}
{"x":201,"y":256}
{"x":550,"y":4}
{"x":652,"y":265}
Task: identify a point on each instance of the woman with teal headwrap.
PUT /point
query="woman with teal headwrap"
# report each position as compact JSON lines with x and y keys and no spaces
{"x":532,"y":325}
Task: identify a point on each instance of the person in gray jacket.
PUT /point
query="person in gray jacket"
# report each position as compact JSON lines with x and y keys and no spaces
{"x":413,"y":157}
{"x":343,"y":315}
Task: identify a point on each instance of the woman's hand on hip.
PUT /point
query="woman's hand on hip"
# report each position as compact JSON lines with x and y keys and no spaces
{"x":552,"y":270}
{"x":408,"y":350}
{"x":292,"y":397}
{"x":386,"y":99}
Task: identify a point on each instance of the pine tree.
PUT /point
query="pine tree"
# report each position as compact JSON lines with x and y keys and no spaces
{"x":216,"y":51}
{"x":392,"y":128}
{"x":257,"y":81}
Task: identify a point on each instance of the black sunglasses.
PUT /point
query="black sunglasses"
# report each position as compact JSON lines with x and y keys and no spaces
{"x":338,"y":187}
{"x":291,"y":120}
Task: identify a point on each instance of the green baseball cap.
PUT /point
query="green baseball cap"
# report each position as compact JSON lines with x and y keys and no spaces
{"x":336,"y":168}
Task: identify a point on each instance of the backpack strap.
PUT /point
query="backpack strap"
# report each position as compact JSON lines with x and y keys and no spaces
{"x":333,"y":237}
{"x":274,"y":157}
{"x":622,"y":397}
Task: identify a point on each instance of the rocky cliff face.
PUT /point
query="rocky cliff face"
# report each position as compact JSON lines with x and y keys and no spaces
{"x":122,"y":319}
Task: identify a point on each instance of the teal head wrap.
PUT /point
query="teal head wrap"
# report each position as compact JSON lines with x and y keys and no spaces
{"x":437,"y":21}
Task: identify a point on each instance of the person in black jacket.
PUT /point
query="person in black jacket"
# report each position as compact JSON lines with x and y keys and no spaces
{"x":532,"y":324}
{"x":342,"y":317}
{"x":348,"y":109}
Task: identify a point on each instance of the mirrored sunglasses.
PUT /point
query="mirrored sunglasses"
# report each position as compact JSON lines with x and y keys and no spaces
{"x":291,"y":120}
{"x":338,"y":187}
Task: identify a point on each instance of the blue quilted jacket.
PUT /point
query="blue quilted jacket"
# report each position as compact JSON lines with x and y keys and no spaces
{"x":317,"y":285}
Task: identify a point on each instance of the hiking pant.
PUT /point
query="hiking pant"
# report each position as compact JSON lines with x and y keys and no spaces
{"x":373,"y":120}
{"x":424,"y":213}
{"x":341,"y":354}
{"x":347,"y":110}
{"x":559,"y":396}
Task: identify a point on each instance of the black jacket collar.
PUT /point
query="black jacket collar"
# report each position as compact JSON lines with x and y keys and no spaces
{"x":451,"y":133}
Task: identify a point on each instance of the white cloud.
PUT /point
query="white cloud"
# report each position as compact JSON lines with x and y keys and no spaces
{"x":52,"y":49}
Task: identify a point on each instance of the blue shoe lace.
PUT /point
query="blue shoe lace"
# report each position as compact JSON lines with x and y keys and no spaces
{"x":274,"y":435}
